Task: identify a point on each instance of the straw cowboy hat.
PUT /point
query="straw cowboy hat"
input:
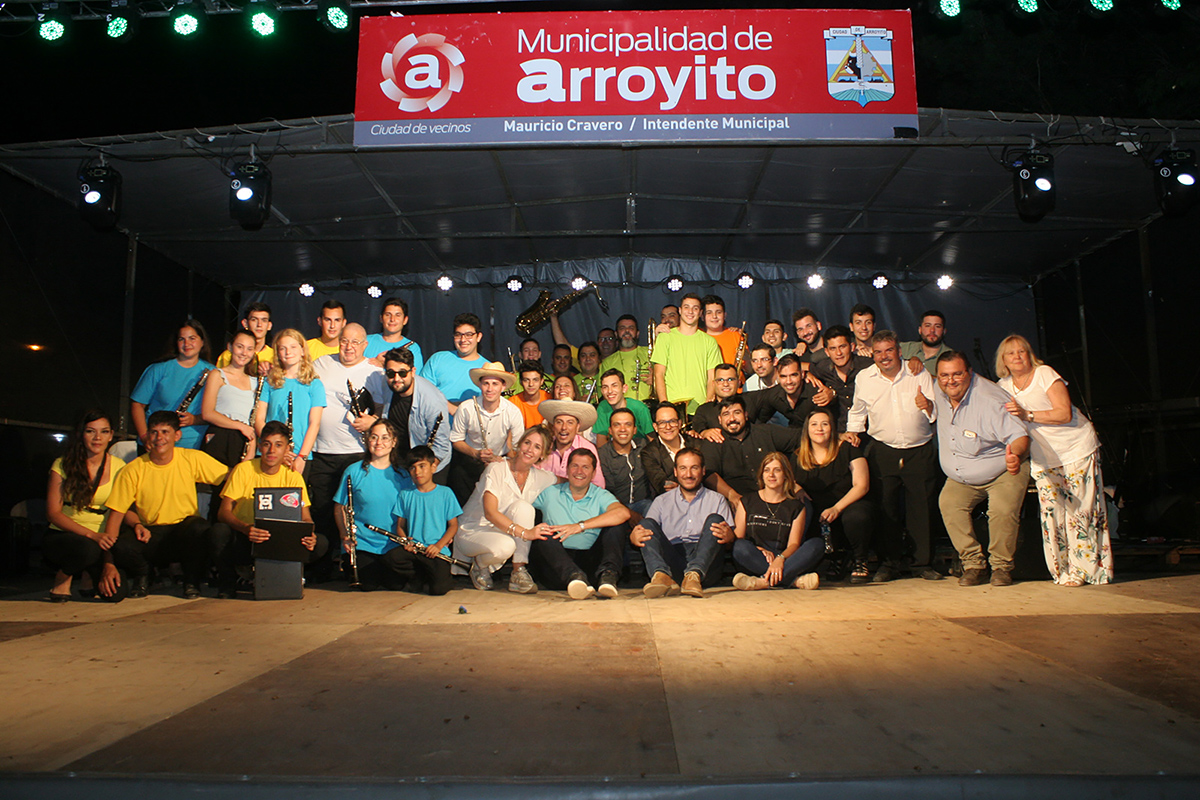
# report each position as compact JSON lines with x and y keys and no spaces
{"x":584,"y":412}
{"x":493,"y":369}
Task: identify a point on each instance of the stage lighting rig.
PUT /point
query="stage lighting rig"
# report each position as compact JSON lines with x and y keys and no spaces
{"x":100,"y":195}
{"x":187,"y":19}
{"x":53,"y":23}
{"x":1100,"y":9}
{"x":674,"y":284}
{"x":445,"y":283}
{"x":945,"y":282}
{"x":335,"y":15}
{"x":306,"y":289}
{"x":745,"y":280}
{"x":815,"y":281}
{"x":375,"y":290}
{"x":121,"y":21}
{"x":1034,"y":187}
{"x":879,"y":280}
{"x":1175,"y":181}
{"x":262,"y":17}
{"x":250,"y":194}
{"x":514,"y":283}
{"x":946,"y":9}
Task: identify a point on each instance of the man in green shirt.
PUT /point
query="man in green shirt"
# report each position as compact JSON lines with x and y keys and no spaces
{"x":632,"y":359}
{"x":614,"y":390}
{"x":685,"y":359}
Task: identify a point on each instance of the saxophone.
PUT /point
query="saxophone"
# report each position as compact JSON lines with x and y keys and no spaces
{"x":544,"y":307}
{"x":351,"y":534}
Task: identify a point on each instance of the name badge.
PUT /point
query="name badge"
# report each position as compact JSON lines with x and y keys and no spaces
{"x":970,"y":434}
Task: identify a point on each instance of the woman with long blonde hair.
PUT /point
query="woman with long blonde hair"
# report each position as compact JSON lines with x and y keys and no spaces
{"x":292,"y":377}
{"x":1064,"y":462}
{"x":769,"y":526}
{"x":834,"y":474}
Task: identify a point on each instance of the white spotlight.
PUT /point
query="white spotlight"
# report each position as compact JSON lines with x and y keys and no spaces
{"x":815,"y":281}
{"x":307,"y":289}
{"x":579,"y":283}
{"x":515,"y":284}
{"x":745,"y":280}
{"x":445,"y":283}
{"x":375,"y":290}
{"x":879,"y":280}
{"x":674,"y":284}
{"x":945,"y":282}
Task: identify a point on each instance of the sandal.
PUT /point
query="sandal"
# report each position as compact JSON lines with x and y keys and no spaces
{"x":55,"y":597}
{"x":1072,"y":582}
{"x":860,"y":573}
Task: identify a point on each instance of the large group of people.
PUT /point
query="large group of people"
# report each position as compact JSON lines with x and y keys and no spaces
{"x":699,"y":450}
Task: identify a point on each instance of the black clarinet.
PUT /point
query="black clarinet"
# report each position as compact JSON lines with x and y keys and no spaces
{"x":351,"y":534}
{"x":192,"y":393}
{"x":253,"y":405}
{"x":291,"y":430}
{"x":437,"y":423}
{"x":405,"y":541}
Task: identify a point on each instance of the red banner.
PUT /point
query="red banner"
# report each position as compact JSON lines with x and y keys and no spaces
{"x":722,"y":75}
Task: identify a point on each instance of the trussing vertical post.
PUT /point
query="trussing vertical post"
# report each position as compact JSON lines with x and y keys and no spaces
{"x":127,"y":333}
{"x":1083,"y":336}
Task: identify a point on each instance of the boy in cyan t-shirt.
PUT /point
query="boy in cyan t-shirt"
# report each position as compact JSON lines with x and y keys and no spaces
{"x":428,"y":514}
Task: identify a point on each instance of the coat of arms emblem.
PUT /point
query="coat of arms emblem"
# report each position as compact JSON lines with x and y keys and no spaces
{"x":859,"y":62}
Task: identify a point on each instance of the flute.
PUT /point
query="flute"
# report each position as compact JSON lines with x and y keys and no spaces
{"x":351,"y":533}
{"x":406,"y":541}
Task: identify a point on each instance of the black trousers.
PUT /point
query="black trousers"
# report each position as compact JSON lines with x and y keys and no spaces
{"x":71,"y":552}
{"x":229,"y":549}
{"x":185,"y":541}
{"x":856,"y":524}
{"x":324,"y":475}
{"x":399,"y":569}
{"x":463,"y":473}
{"x":908,"y":481}
{"x":555,"y":566}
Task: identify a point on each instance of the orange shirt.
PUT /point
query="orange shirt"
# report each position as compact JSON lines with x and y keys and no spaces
{"x":727,"y":341}
{"x":529,"y":411}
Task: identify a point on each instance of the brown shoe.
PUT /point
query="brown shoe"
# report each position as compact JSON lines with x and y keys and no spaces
{"x":691,"y":585}
{"x":660,"y":584}
{"x":973,"y":577}
{"x":1002,"y":577}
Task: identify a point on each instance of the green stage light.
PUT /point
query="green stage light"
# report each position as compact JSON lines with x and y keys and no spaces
{"x":187,"y":19}
{"x":121,"y":21}
{"x":335,"y":15}
{"x":1027,"y":6}
{"x":52,"y":24}
{"x":263,"y":17}
{"x":1170,"y":5}
{"x":1101,"y":6}
{"x":947,"y":9}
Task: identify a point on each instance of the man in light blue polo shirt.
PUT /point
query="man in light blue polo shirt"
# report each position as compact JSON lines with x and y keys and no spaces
{"x":582,"y":532}
{"x":683,"y":531}
{"x":982,"y":449}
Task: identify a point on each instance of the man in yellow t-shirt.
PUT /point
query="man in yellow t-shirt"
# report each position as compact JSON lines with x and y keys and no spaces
{"x":332,"y":320}
{"x":258,"y":322}
{"x":234,"y":530}
{"x":158,"y":490}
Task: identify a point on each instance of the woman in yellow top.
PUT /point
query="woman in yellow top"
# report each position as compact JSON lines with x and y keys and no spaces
{"x":79,"y":486}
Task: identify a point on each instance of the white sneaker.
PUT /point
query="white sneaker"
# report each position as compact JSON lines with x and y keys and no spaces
{"x":521,"y":582}
{"x":748,"y":583}
{"x":481,"y":577}
{"x":579,"y":590}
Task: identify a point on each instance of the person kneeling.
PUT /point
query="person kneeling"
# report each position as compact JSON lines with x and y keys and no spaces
{"x":683,"y":532}
{"x":769,"y":525}
{"x":234,"y":532}
{"x":428,"y":515}
{"x":583,"y":532}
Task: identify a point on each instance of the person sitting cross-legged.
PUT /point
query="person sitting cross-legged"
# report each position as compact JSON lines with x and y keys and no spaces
{"x":769,"y":526}
{"x":683,"y":532}
{"x":582,"y":532}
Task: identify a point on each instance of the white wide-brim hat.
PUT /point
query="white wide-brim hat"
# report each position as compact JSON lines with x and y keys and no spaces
{"x":493,"y":369}
{"x":584,"y":412}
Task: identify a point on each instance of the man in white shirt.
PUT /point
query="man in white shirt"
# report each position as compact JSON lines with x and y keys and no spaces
{"x":762,"y":361}
{"x":485,"y":428}
{"x":340,"y":438}
{"x":902,"y":454}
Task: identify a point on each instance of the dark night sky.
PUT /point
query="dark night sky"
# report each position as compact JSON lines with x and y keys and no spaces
{"x":1136,"y":65}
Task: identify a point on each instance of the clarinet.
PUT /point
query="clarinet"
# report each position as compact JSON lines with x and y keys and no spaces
{"x":291,"y":430}
{"x":254,"y":404}
{"x":437,"y":423}
{"x":192,"y":393}
{"x":351,"y":534}
{"x":355,"y":408}
{"x":405,"y":541}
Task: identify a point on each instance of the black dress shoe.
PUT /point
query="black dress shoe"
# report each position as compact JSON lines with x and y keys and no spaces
{"x":884,"y":574}
{"x":190,"y":591}
{"x":929,"y":574}
{"x":138,"y":587}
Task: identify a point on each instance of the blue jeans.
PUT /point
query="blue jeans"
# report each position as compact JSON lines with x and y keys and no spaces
{"x":751,"y":560}
{"x":677,"y":558}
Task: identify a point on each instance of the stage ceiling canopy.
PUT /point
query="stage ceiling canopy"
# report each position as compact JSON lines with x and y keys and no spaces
{"x":941,"y":202}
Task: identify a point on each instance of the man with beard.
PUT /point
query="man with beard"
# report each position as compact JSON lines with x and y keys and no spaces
{"x":794,"y":395}
{"x":414,"y":405}
{"x":931,"y":333}
{"x":837,"y":372}
{"x":631,"y":359}
{"x":743,"y":446}
{"x":808,"y":335}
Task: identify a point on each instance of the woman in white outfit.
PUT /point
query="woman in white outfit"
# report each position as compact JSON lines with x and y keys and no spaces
{"x":1065,"y":464}
{"x":498,"y":521}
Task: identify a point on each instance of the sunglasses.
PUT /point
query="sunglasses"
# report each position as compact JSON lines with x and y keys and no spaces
{"x":396,"y":373}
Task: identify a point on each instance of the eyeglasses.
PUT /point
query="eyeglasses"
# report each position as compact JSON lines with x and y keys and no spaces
{"x":354,"y":342}
{"x":726,"y":380}
{"x":397,"y":373}
{"x":667,"y":423}
{"x":462,"y":337}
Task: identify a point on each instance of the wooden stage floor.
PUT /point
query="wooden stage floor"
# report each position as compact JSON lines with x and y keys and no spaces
{"x":908,"y":678}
